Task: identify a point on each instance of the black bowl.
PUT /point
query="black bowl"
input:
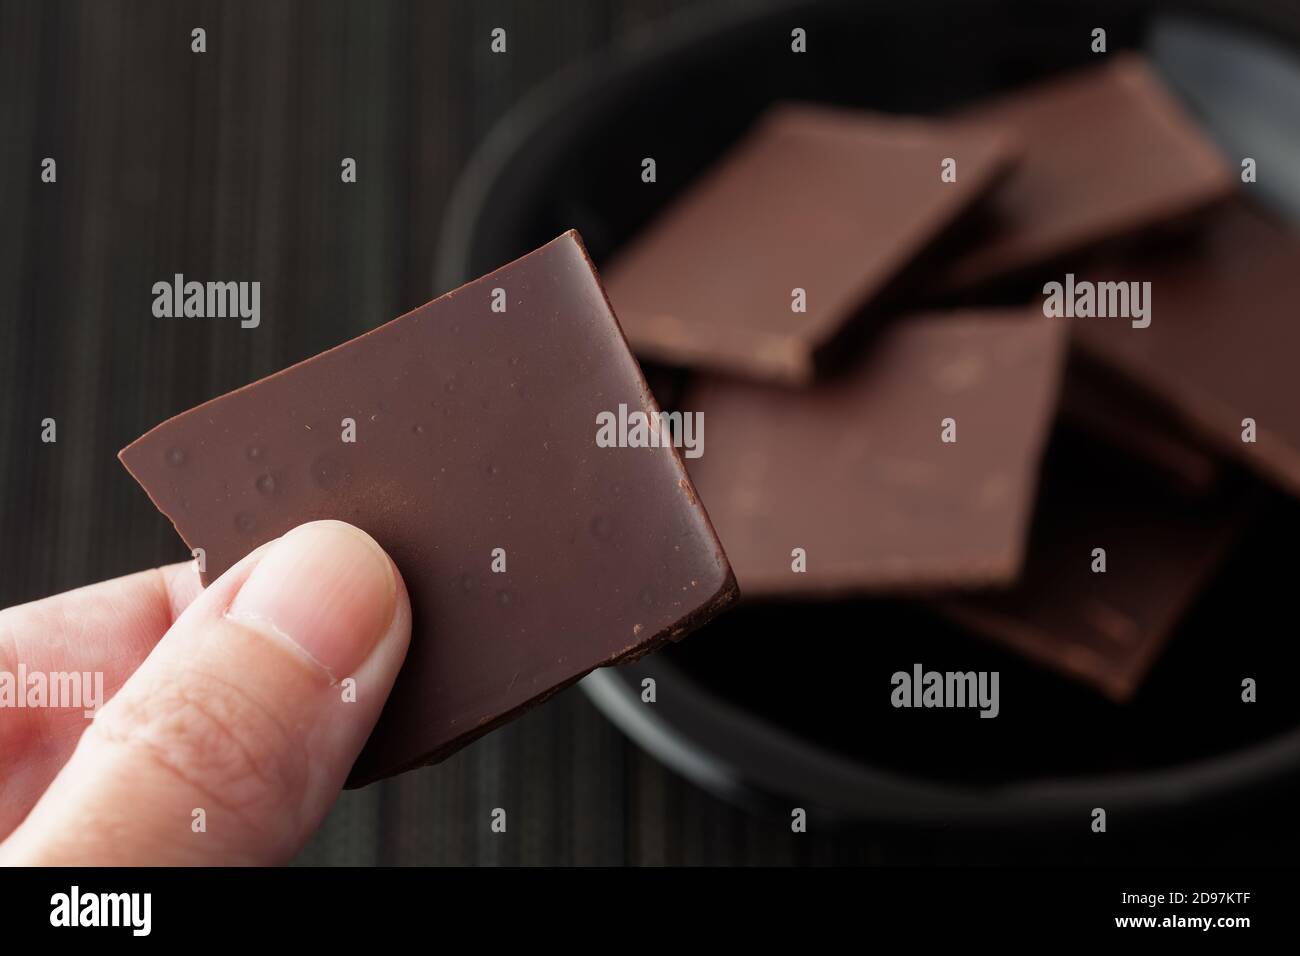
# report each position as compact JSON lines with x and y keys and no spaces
{"x":786,"y":704}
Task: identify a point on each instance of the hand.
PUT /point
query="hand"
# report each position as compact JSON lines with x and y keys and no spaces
{"x":228,"y":705}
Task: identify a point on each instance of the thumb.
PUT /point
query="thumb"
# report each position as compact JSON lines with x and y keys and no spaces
{"x":230,"y":743}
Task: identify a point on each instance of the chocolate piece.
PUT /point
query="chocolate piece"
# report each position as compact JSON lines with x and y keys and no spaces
{"x":855,"y":470}
{"x":1105,"y":628}
{"x":1107,"y":151}
{"x":1127,"y":420}
{"x":832,"y":202}
{"x":475,"y":430}
{"x":1223,"y":338}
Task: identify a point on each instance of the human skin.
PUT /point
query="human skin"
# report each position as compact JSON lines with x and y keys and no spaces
{"x":233,"y":713}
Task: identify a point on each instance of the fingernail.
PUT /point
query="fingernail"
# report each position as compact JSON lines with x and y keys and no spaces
{"x":327,"y":587}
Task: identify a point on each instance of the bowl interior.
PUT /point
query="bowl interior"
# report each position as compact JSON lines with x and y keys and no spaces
{"x":571,"y":158}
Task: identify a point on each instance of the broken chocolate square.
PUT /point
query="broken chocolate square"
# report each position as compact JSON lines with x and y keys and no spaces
{"x":764,"y":261}
{"x":462,"y":436}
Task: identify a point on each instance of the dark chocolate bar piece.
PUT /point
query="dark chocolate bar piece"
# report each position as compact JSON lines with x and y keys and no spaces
{"x":855,"y":472}
{"x":1106,"y":627}
{"x":475,"y":450}
{"x":1125,"y":418}
{"x":1106,"y":152}
{"x":764,"y":260}
{"x":1223,"y":341}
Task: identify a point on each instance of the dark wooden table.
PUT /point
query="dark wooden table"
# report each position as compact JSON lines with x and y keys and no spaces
{"x":226,"y":164}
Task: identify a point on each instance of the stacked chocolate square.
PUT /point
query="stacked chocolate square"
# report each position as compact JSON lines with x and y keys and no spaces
{"x":888,"y":321}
